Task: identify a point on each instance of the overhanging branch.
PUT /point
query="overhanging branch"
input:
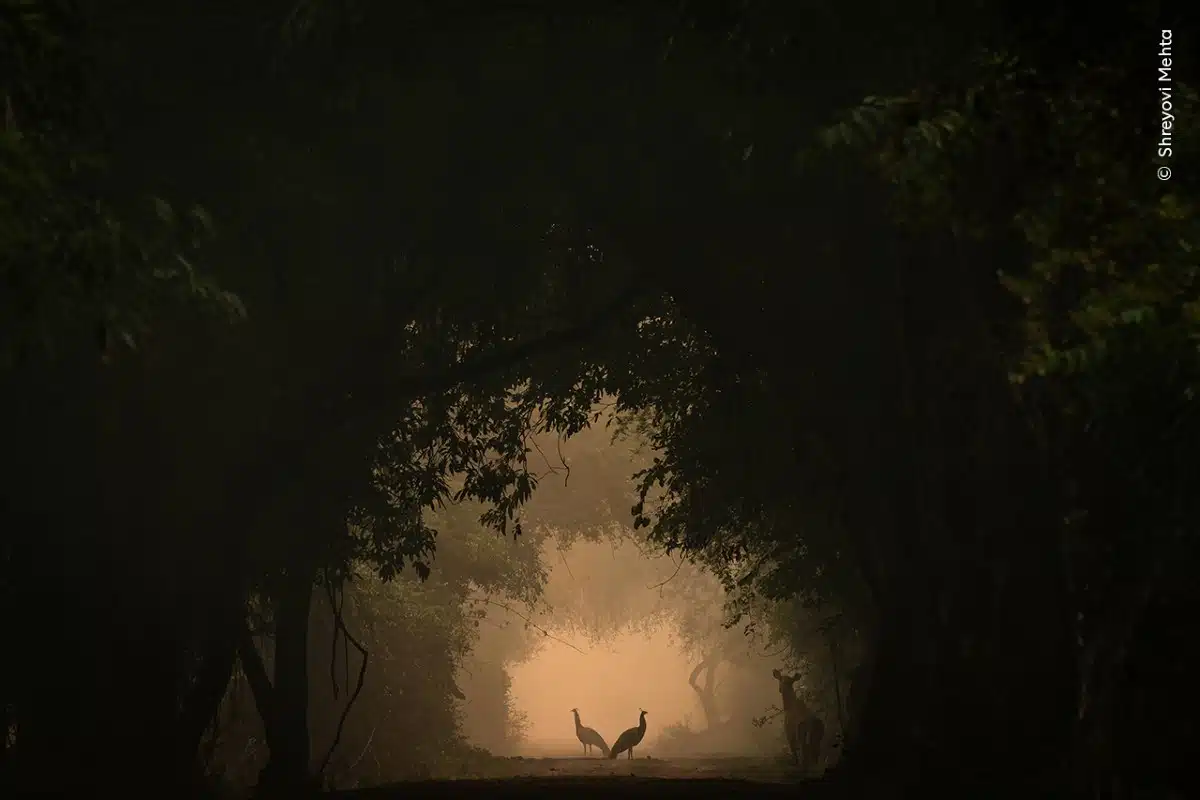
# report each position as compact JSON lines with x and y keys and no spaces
{"x":416,"y":385}
{"x":374,"y":408}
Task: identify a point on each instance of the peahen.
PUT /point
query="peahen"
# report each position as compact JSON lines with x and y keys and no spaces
{"x":588,"y":736}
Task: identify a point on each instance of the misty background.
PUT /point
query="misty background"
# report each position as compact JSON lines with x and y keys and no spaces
{"x":490,"y":651}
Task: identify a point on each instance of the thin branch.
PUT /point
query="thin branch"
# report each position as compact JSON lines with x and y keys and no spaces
{"x":563,"y":460}
{"x":336,"y":607}
{"x":659,"y":585}
{"x":775,"y":711}
{"x":370,"y":739}
{"x":551,"y":469}
{"x":563,"y":556}
{"x":362,"y":676}
{"x":528,"y":621}
{"x":625,"y":536}
{"x":475,"y":369}
{"x":345,"y":653}
{"x":779,"y":652}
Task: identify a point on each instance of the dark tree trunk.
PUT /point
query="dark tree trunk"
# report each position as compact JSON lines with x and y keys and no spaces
{"x":974,"y":675}
{"x":959,"y":705}
{"x":260,"y":683}
{"x":288,"y":770}
{"x":118,"y":714}
{"x":1102,"y":676}
{"x":291,"y":678}
{"x":203,"y":700}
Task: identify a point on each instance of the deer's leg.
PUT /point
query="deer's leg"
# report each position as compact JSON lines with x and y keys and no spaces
{"x":816,"y":733}
{"x":792,"y":731}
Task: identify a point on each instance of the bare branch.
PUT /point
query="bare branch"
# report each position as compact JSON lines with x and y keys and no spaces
{"x":778,"y":652}
{"x":366,"y":747}
{"x":563,"y":556}
{"x":563,"y":460}
{"x":333,"y":650}
{"x":551,"y":469}
{"x":362,"y":675}
{"x":528,"y":621}
{"x":659,"y":585}
{"x":473,"y":370}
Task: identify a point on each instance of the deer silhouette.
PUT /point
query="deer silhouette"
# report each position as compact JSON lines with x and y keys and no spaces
{"x":804,"y":729}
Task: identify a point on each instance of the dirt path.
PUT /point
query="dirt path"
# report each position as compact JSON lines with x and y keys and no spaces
{"x":586,"y":778}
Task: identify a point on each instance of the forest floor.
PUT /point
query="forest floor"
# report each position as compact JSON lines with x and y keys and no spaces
{"x":583,"y":778}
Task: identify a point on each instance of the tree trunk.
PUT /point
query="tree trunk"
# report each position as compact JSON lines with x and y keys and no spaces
{"x":119,"y":712}
{"x":974,"y":676}
{"x":260,"y":683}
{"x":706,"y":693}
{"x":288,"y":770}
{"x":1102,"y":675}
{"x":940,"y":716}
{"x":203,"y":700}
